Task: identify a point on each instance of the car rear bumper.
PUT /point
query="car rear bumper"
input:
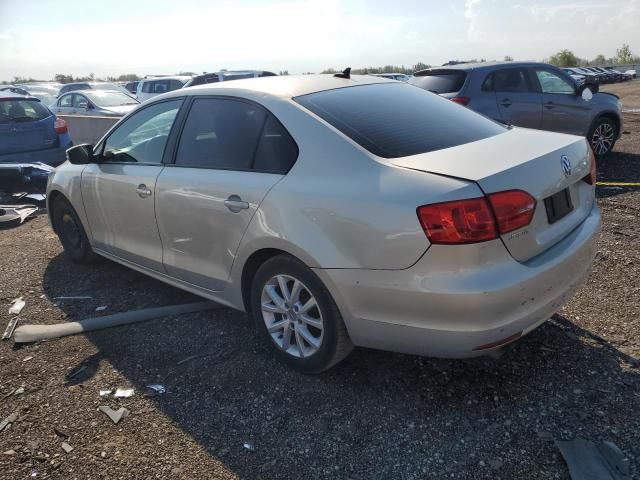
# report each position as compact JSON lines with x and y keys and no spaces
{"x":50,"y":156}
{"x":456,"y":299}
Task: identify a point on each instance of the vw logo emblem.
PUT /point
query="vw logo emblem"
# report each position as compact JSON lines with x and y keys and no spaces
{"x":565,"y":164}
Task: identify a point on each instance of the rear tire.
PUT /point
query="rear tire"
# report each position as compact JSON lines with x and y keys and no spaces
{"x":71,"y":232}
{"x":296,"y":316}
{"x":602,"y":136}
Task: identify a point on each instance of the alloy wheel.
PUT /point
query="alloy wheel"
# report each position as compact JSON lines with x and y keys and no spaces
{"x":292,"y":316}
{"x":602,"y":138}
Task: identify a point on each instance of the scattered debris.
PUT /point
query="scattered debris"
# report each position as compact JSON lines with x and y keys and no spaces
{"x":249,"y":446}
{"x":34,"y":333}
{"x":60,"y":434}
{"x":77,"y":372}
{"x":185,"y":360}
{"x":11,"y":392}
{"x":9,"y":420}
{"x":591,"y":460}
{"x":17,"y":305}
{"x":9,"y":452}
{"x":11,"y":326}
{"x":19,"y":391}
{"x":26,"y":359}
{"x":66,"y":447}
{"x":11,"y":215}
{"x":124,"y":392}
{"x":101,"y":309}
{"x":106,"y":392}
{"x":155,"y":390}
{"x":114,"y":415}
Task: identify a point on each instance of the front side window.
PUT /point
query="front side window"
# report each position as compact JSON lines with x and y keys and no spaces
{"x":511,"y":80}
{"x":80,"y":101}
{"x":66,"y":101}
{"x":220,"y":133}
{"x":143,"y":136}
{"x":394,"y":119}
{"x":552,"y":83}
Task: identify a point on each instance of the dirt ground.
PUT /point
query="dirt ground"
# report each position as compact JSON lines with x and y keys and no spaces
{"x":376,"y":415}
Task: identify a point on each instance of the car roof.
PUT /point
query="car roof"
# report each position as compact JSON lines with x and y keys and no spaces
{"x":284,"y":86}
{"x":7,"y":94}
{"x":482,"y":66}
{"x":172,"y":77}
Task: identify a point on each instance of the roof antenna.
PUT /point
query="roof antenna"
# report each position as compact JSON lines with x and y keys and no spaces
{"x":346,"y":73}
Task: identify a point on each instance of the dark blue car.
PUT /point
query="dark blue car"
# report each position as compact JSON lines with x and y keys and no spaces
{"x":29,"y":132}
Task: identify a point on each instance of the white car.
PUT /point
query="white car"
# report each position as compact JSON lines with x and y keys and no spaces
{"x":94,"y":103}
{"x":150,"y":87}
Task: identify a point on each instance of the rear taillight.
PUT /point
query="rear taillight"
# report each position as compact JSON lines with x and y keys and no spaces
{"x":591,"y":178}
{"x":462,"y":221}
{"x":60,"y":125}
{"x":461,"y":100}
{"x":513,"y":209}
{"x":476,"y":219}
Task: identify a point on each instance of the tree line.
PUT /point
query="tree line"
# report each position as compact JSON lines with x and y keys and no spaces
{"x":566,"y":58}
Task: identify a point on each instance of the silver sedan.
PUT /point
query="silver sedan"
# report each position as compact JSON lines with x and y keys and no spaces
{"x":339,"y":211}
{"x":94,"y":103}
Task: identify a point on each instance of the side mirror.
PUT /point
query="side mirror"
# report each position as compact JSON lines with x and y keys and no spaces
{"x":81,"y":154}
{"x":90,"y":106}
{"x":585,"y":92}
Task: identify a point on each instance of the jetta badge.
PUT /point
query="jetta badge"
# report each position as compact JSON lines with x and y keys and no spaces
{"x":565,"y":164}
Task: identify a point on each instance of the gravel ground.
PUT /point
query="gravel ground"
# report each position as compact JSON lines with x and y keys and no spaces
{"x":376,"y":415}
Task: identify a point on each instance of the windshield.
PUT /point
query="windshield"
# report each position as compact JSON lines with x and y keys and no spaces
{"x":395,"y":119}
{"x":20,"y":110}
{"x":440,"y":81}
{"x":110,"y":99}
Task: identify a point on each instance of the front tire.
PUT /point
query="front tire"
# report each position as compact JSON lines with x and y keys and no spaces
{"x":71,"y":232}
{"x":296,"y":316}
{"x":602,"y":136}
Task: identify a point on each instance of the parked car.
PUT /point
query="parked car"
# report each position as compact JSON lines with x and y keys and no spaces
{"x":623,"y":75}
{"x":339,"y":212}
{"x":95,"y":103}
{"x":393,"y":76}
{"x":71,"y":87}
{"x":579,"y":79}
{"x":632,"y":73}
{"x":532,"y":95}
{"x":30,"y":132}
{"x":13,"y":89}
{"x":609,"y":77}
{"x":132,"y":87}
{"x":590,"y":78}
{"x":150,"y":87}
{"x":602,"y":78}
{"x":225,"y":76}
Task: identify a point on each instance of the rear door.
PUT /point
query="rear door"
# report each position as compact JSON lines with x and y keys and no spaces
{"x":230,"y":154}
{"x":119,"y":193}
{"x":563,"y":109}
{"x":519,"y":104}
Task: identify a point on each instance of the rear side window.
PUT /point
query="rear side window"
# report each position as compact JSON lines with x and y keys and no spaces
{"x":440,"y":81}
{"x":161,"y":86}
{"x":395,"y":119}
{"x":22,"y":111}
{"x":220,"y":133}
{"x":276,"y":149}
{"x":511,"y":80}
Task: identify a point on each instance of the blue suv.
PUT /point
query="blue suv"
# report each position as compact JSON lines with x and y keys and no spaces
{"x":29,"y":132}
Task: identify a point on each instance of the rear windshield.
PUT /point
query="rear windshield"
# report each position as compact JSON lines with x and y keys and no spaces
{"x":440,"y":81}
{"x":22,"y":111}
{"x":396,"y":120}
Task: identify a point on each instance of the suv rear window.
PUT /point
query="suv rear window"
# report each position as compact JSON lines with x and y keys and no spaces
{"x":396,"y":120}
{"x":440,"y":81}
{"x":22,"y":111}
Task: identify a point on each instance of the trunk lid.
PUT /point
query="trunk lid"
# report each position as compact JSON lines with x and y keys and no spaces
{"x":522,"y":159}
{"x":27,"y":135}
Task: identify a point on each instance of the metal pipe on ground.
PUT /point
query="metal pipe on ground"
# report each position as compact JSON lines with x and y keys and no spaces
{"x":34,"y":333}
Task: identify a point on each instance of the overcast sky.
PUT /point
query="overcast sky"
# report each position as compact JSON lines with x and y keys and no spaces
{"x":39,"y":38}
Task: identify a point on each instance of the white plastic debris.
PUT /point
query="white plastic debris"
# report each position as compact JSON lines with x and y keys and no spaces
{"x":114,"y":415}
{"x":106,"y":392}
{"x":249,"y":446}
{"x":124,"y":392}
{"x":17,"y":305}
{"x":66,"y":447}
{"x":155,"y":389}
{"x":101,"y":309}
{"x":26,"y":359}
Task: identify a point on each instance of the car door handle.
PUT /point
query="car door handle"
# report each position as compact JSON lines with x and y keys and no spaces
{"x":548,"y":105}
{"x":505,"y":102}
{"x":143,"y":191}
{"x":235,"y":204}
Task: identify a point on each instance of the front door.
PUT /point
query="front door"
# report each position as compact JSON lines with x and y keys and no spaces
{"x":563,"y":109}
{"x":119,"y":192}
{"x":230,"y":154}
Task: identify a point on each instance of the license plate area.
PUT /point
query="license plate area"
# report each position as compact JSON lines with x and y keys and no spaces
{"x":558,"y":205}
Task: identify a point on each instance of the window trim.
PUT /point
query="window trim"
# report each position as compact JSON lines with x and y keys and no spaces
{"x":98,"y":150}
{"x":530,"y":86}
{"x":187,"y":108}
